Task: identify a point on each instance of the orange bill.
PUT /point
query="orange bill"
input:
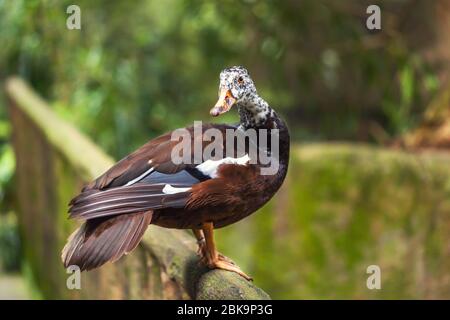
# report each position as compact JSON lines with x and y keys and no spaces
{"x":224,"y":104}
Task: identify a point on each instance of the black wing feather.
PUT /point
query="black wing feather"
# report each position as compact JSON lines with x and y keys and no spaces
{"x":127,"y":199}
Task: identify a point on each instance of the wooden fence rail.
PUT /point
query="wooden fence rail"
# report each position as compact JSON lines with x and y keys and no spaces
{"x":53,"y":161}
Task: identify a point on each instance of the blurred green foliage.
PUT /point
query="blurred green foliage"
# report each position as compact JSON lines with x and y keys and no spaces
{"x":10,"y":250}
{"x":136,"y":70}
{"x":7,"y":163}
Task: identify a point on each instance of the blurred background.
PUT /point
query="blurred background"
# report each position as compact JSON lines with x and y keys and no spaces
{"x":136,"y":70}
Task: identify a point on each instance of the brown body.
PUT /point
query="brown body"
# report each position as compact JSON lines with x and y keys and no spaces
{"x":237,"y":192}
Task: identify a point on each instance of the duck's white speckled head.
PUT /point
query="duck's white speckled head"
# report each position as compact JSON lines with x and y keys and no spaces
{"x":236,"y":87}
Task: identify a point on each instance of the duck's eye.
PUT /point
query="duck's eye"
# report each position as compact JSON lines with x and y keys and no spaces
{"x":240,"y":80}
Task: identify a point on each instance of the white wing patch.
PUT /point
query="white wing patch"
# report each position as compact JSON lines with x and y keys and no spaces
{"x":209,"y":167}
{"x":140,"y":177}
{"x":168,"y":189}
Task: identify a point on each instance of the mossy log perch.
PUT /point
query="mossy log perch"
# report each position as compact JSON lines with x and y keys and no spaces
{"x":53,"y":161}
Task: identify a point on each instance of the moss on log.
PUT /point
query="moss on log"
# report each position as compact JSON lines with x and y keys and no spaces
{"x":175,"y":250}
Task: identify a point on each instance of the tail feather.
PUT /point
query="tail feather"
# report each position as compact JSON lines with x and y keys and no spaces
{"x":115,"y":221}
{"x":126,"y":199}
{"x":101,"y":240}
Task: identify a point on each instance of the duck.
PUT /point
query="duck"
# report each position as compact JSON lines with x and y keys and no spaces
{"x":201,"y":191}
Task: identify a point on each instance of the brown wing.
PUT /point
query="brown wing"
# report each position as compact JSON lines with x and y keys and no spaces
{"x":154,"y":154}
{"x":139,"y":197}
{"x":118,"y":206}
{"x":136,"y":183}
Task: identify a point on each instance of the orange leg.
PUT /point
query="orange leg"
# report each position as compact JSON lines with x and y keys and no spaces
{"x":214,"y":259}
{"x":201,"y":251}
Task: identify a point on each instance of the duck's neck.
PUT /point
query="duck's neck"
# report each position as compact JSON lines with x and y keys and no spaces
{"x":254,"y":112}
{"x":257,"y":114}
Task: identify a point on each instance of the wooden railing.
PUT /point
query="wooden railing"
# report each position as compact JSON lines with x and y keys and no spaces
{"x":53,"y":161}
